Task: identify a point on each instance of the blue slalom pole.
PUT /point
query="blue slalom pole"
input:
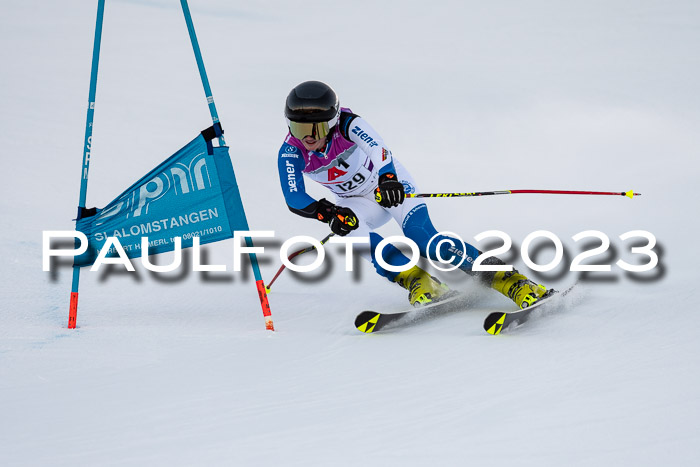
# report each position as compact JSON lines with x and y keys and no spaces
{"x":262,"y":294}
{"x":200,"y":65}
{"x":73,"y":308}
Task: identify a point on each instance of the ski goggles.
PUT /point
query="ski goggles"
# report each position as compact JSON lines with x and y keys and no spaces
{"x":317,"y":130}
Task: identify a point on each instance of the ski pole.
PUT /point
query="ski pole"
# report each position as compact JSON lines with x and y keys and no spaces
{"x":293,"y":255}
{"x":629,"y":194}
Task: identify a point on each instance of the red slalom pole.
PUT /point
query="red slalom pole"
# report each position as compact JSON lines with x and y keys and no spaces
{"x":629,"y":194}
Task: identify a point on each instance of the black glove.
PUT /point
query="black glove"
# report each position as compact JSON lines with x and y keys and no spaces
{"x":341,"y":220}
{"x":389,"y":192}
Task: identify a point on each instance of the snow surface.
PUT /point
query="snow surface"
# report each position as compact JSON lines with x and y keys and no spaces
{"x":178,"y":369}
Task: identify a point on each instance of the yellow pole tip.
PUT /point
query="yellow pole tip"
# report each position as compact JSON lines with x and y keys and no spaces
{"x":630,"y":194}
{"x":267,"y":289}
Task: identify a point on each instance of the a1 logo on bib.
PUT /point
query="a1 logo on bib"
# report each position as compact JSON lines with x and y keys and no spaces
{"x":335,"y":172}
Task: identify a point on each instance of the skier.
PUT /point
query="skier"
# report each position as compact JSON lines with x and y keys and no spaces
{"x":341,"y":151}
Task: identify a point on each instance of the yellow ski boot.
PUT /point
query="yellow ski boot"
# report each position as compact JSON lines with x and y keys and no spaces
{"x":422,"y":287}
{"x":519,"y":288}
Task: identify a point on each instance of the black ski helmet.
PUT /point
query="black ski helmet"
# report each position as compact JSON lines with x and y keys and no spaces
{"x":312,"y":108}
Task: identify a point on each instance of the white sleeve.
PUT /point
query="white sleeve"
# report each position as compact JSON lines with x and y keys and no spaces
{"x":362,"y":134}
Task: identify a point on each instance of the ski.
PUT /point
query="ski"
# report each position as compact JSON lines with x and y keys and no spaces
{"x":370,"y":321}
{"x":498,"y":321}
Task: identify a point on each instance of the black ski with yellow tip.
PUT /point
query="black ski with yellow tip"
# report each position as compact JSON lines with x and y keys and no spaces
{"x":498,"y":321}
{"x":373,"y":321}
